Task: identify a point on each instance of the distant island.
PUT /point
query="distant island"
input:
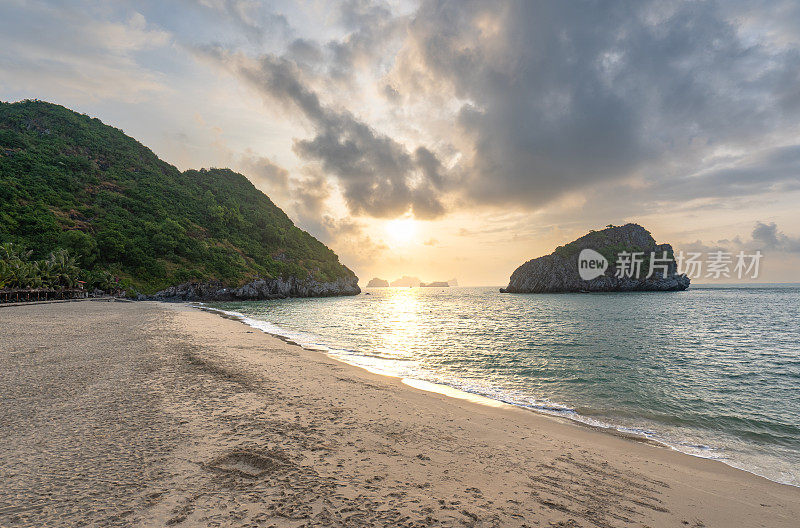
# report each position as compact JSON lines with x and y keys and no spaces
{"x":604,"y":258}
{"x":407,"y":282}
{"x":410,"y":282}
{"x":82,"y":196}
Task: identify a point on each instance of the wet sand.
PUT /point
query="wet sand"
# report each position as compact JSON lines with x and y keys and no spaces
{"x":147,"y":414}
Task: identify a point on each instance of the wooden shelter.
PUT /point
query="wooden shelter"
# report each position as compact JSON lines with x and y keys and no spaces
{"x":41,"y":294}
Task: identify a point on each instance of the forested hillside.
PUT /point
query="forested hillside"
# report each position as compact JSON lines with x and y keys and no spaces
{"x":67,"y":181}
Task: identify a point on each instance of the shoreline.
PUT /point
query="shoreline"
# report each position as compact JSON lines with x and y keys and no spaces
{"x":171,"y":415}
{"x":459,"y":394}
{"x":480,"y":399}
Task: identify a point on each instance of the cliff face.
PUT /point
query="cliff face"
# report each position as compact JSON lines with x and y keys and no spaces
{"x":559,"y":272}
{"x":259,"y":290}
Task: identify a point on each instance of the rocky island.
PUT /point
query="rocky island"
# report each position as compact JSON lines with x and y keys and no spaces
{"x":377,"y":283}
{"x":602,"y":261}
{"x":407,"y":282}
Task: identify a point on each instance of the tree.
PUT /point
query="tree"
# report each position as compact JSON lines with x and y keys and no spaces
{"x":64,"y":269}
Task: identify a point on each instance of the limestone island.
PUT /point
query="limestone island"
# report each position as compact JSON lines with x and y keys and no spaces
{"x":407,"y":282}
{"x":614,"y":259}
{"x":410,"y":282}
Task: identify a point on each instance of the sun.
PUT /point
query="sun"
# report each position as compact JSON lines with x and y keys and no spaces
{"x":401,"y":231}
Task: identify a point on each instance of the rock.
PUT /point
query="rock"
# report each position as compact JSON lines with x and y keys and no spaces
{"x":378,"y":283}
{"x":434,"y":284}
{"x":559,"y":271}
{"x":261,"y":289}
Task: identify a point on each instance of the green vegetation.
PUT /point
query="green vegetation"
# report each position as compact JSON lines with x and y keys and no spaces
{"x":601,"y":242}
{"x":59,"y":271}
{"x":69,"y":182}
{"x":596,"y":240}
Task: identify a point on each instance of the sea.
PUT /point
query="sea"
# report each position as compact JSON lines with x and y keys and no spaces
{"x":713,"y":372}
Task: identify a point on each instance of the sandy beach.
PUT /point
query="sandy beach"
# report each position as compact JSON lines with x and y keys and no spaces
{"x":149,"y":414}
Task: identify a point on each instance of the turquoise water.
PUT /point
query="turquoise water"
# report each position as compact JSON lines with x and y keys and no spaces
{"x":710,"y":372}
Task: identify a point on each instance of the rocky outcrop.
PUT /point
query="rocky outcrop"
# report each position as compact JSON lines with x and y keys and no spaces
{"x":559,"y":272}
{"x":434,"y":284}
{"x":378,"y":283}
{"x":262,"y":289}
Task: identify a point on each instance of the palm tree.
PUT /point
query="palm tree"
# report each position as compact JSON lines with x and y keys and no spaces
{"x":58,"y":271}
{"x":18,"y":274}
{"x":5,"y":274}
{"x":9,"y":251}
{"x":64,"y":269}
{"x":47,"y":274}
{"x":103,"y":280}
{"x":33,"y":275}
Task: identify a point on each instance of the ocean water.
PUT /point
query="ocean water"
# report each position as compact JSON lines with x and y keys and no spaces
{"x":713,"y":372}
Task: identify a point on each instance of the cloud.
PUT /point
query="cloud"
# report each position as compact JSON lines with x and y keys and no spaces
{"x":770,"y":238}
{"x":305,"y":52}
{"x":310,"y":194}
{"x":544,"y":102}
{"x":563,"y":97}
{"x":765,"y":237}
{"x":76,"y":54}
{"x":378,"y":175}
{"x":440,"y":106}
{"x":352,"y":242}
{"x":371,"y":27}
{"x":260,"y":169}
{"x":251,"y":16}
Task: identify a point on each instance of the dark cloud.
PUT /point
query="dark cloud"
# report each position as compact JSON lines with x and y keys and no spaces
{"x":564,"y":95}
{"x":378,"y":176}
{"x":770,"y":238}
{"x":776,"y":169}
{"x":305,"y":52}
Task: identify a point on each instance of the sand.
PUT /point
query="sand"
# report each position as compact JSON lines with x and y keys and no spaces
{"x":148,"y":414}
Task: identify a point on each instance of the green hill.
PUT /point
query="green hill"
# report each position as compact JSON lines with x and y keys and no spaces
{"x":67,"y":181}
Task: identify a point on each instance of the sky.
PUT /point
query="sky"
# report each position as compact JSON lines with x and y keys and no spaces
{"x":445,"y":139}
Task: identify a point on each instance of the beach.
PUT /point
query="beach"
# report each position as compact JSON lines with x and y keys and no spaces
{"x":151,"y":414}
